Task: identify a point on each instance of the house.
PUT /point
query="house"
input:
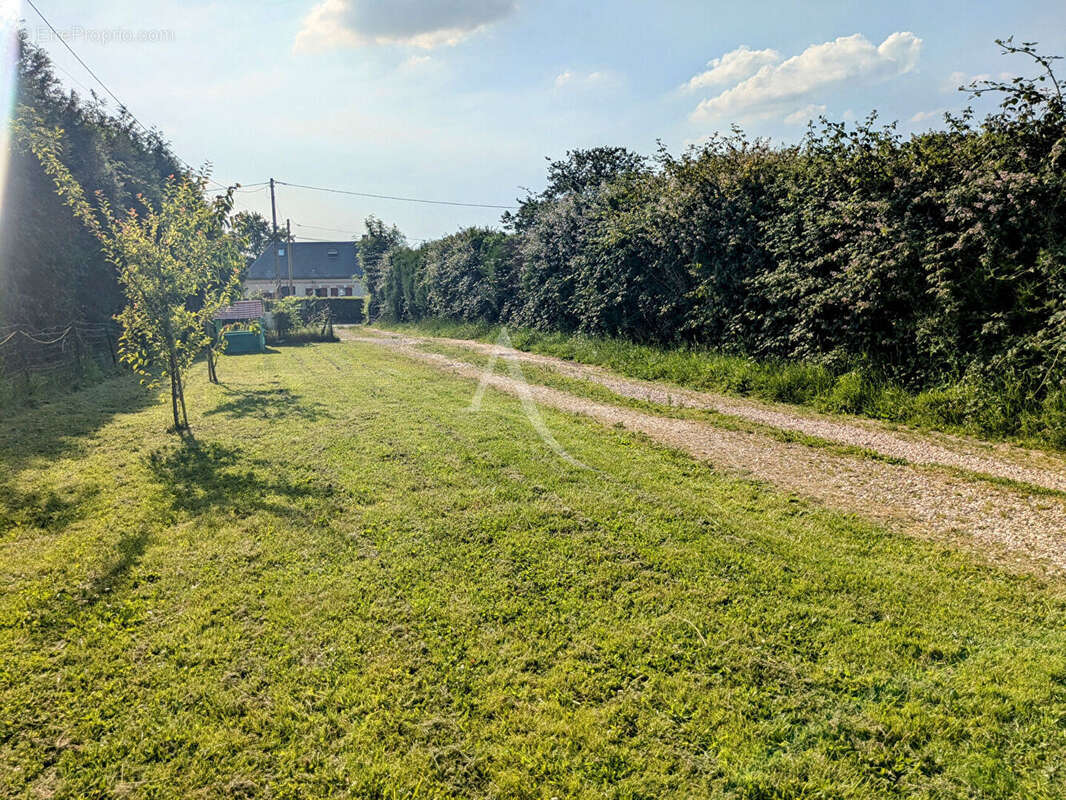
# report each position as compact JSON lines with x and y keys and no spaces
{"x":319,"y":269}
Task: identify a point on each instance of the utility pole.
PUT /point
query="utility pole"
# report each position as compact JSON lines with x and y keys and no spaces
{"x":288,"y":252}
{"x":274,"y":240}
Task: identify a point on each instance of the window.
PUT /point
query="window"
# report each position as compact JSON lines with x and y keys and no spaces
{"x":347,"y":291}
{"x":320,"y":292}
{"x":309,"y":292}
{"x":334,"y":292}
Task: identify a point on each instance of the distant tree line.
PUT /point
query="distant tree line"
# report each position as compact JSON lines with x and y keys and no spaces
{"x":939,"y":257}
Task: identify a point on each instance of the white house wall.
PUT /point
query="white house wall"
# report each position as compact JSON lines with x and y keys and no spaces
{"x":256,"y":287}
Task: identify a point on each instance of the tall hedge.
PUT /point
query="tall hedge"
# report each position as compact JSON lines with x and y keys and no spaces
{"x":929,"y":259}
{"x":53,"y":270}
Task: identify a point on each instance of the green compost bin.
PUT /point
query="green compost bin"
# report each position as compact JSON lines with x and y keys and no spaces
{"x":241,"y":342}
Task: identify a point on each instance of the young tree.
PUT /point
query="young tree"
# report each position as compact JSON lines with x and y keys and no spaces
{"x":372,"y":246}
{"x":177,"y":265}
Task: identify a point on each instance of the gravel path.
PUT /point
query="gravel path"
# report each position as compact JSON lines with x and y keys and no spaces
{"x":1006,"y":524}
{"x":996,"y":459}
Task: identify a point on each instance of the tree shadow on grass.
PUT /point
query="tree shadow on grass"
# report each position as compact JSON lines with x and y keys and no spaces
{"x":277,"y":403}
{"x":131,"y":546}
{"x":53,"y":429}
{"x":198,"y":479}
{"x":210,"y":478}
{"x":55,"y":615}
{"x":42,"y":509}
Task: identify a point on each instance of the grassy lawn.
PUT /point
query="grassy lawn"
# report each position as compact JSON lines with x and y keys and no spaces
{"x":347,"y":585}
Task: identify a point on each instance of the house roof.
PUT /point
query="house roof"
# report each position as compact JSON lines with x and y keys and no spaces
{"x":242,"y":309}
{"x":310,"y":261}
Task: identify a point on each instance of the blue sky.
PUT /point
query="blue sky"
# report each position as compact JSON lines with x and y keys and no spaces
{"x":463,"y":100}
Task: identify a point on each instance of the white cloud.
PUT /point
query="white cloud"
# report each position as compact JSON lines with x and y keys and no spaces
{"x":415,"y":61}
{"x":804,"y":115}
{"x":734,"y":66}
{"x":961,"y":80}
{"x":586,"y":80}
{"x":922,"y":116}
{"x":955,"y":80}
{"x":563,"y":78}
{"x":775,"y":88}
{"x":417,"y":23}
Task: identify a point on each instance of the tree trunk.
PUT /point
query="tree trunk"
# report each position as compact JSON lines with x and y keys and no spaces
{"x":181,"y":398}
{"x":212,"y":361}
{"x":173,"y":388}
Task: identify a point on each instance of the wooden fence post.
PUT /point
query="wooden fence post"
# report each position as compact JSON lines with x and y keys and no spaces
{"x":77,"y":348}
{"x":110,"y":345}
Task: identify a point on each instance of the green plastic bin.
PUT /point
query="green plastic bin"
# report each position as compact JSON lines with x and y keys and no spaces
{"x":241,"y":342}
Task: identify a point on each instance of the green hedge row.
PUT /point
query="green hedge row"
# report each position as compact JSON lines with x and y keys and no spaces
{"x":344,"y":310}
{"x":932,"y":261}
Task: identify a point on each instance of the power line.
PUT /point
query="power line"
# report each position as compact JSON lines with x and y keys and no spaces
{"x":351,"y":233}
{"x":310,"y":238}
{"x":96,"y":77}
{"x":320,"y":228}
{"x":80,"y":61}
{"x":70,"y":75}
{"x":393,"y":197}
{"x":302,"y":238}
{"x":244,"y":188}
{"x":142,"y":126}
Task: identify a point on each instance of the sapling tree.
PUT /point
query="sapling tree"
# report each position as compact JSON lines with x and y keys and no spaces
{"x":178,"y":264}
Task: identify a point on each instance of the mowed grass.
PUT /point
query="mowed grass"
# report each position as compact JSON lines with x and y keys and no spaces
{"x":347,"y":585}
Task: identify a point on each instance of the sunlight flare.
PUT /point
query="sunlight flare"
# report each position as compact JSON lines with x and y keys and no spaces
{"x":8,"y":70}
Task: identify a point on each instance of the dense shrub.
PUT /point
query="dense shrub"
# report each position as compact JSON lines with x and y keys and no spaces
{"x":305,"y":319}
{"x":933,"y":261}
{"x":344,"y":310}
